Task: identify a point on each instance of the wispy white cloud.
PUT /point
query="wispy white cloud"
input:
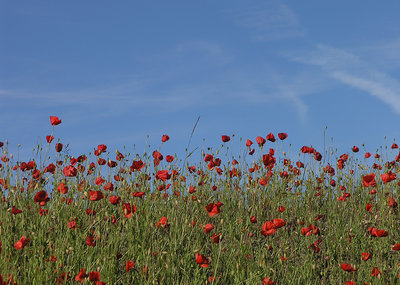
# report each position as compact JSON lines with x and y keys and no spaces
{"x":254,"y":88}
{"x":384,"y":55}
{"x":206,"y":48}
{"x":158,"y":89}
{"x":374,"y":87}
{"x":351,"y":70}
{"x":270,"y":20}
{"x":293,"y":94}
{"x":118,"y":98}
{"x":162,"y":89}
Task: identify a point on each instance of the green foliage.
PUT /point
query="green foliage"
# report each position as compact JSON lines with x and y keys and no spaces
{"x":338,"y":224}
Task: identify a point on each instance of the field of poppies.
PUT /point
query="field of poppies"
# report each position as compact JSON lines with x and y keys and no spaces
{"x":256,"y":217}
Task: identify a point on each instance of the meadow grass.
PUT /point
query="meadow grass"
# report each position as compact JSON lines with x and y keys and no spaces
{"x":268,"y":221}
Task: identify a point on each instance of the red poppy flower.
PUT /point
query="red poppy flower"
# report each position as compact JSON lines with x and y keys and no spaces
{"x":51,"y":168}
{"x":396,"y":247}
{"x":95,"y":195}
{"x":268,"y":228}
{"x":101,"y":148}
{"x":253,"y":219}
{"x":49,"y":139}
{"x":54,"y":121}
{"x":111,"y":163}
{"x":311,"y":229}
{"x":52,"y":258}
{"x":263,"y":181}
{"x":63,"y":277}
{"x":108,"y":187}
{"x":369,"y":180}
{"x":318,"y":217}
{"x":192,"y":189}
{"x":90,"y":212}
{"x":365,"y":256}
{"x":128,"y":209}
{"x":367,"y":155}
{"x":213,"y":209}
{"x":267,"y":281}
{"x":70,"y":171}
{"x":43,"y":212}
{"x":137,"y":165}
{"x":208,"y":157}
{"x":62,"y":188}
{"x":394,"y":145}
{"x":216,"y":238}
{"x":21,"y":243}
{"x":99,"y":181}
{"x":71,"y":223}
{"x":306,"y":149}
{"x":278,"y":223}
{"x":388,"y":177}
{"x":348,"y":267}
{"x":355,"y":149}
{"x":392,"y":202}
{"x":115,"y":200}
{"x":368,"y":208}
{"x":94,"y":276}
{"x":157,"y":156}
{"x":81,"y":275}
{"x":59,"y":147}
{"x":119,"y":156}
{"x":381,"y":233}
{"x":129,"y":265}
{"x":165,"y":138}
{"x":208,"y":228}
{"x":28,"y":166}
{"x":260,"y":140}
{"x":317,"y":156}
{"x":249,"y":143}
{"x":3,"y":183}
{"x":15,"y":211}
{"x":271,"y":137}
{"x":377,"y":233}
{"x":73,"y":161}
{"x":225,"y":138}
{"x":349,"y":283}
{"x":282,"y":136}
{"x":163,"y":175}
{"x":36,"y":174}
{"x":41,"y":197}
{"x":202,"y":260}
{"x":163,"y":222}
{"x":138,"y":194}
{"x":169,"y":158}
{"x":375,"y":272}
{"x":269,"y":160}
{"x":90,"y":241}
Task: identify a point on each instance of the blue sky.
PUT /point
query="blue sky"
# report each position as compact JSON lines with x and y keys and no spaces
{"x":117,"y":72}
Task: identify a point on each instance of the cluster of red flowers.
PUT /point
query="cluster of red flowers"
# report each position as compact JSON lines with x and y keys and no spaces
{"x":105,"y":189}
